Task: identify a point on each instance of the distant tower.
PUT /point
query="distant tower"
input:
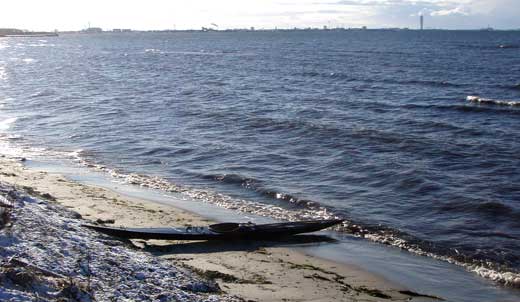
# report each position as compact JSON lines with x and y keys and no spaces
{"x":422,"y":21}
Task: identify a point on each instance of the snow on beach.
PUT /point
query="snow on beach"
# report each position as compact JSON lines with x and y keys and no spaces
{"x":47,"y":255}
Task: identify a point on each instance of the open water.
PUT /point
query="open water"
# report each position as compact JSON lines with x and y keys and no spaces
{"x":413,"y":137}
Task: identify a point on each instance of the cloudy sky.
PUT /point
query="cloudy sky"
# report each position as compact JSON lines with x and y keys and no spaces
{"x":183,"y":14}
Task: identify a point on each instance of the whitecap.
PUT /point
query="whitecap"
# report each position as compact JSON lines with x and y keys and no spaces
{"x":7,"y":123}
{"x":76,"y":155}
{"x":9,"y":150}
{"x":477,"y":99}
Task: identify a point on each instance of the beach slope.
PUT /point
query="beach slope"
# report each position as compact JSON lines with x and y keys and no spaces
{"x":252,"y":271}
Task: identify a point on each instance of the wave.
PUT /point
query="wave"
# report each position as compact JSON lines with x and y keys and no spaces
{"x":257,"y":186}
{"x":477,"y":99}
{"x":492,"y":210}
{"x":464,"y":108}
{"x":194,"y":53}
{"x":351,"y":78}
{"x":508,"y":46}
{"x":488,"y":46}
{"x":156,"y":151}
{"x":43,"y":93}
{"x":430,"y":83}
{"x":482,"y":267}
{"x":7,"y":123}
{"x":495,"y":208}
{"x":512,"y":87}
{"x":197,"y":53}
{"x":10,"y":143}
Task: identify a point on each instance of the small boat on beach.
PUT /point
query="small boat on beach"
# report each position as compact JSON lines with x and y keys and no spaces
{"x":220,"y":231}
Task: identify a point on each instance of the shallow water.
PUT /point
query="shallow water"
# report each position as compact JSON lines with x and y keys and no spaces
{"x":372,"y":126}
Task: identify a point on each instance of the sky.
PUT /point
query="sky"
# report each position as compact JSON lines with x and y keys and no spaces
{"x":223,"y":14}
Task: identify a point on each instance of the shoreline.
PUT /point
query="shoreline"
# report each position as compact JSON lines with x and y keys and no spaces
{"x":255,"y":271}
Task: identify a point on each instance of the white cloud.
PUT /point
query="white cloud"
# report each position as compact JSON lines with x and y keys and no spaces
{"x":161,"y":14}
{"x":459,"y":10}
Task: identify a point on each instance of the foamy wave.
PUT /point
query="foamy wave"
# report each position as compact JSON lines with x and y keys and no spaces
{"x":8,"y":149}
{"x":16,"y":152}
{"x":218,"y":199}
{"x":380,"y":235}
{"x":76,"y":154}
{"x":477,"y":99}
{"x":12,"y":147}
{"x":483,"y":269}
{"x":7,"y":123}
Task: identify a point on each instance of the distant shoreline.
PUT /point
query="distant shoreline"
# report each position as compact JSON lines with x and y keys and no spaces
{"x":11,"y":33}
{"x":287,"y":30}
{"x":30,"y":35}
{"x":22,"y":34}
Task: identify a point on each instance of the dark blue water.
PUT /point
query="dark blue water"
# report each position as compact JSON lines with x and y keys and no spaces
{"x":372,"y":126}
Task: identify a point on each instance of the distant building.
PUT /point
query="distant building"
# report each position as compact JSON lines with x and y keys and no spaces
{"x":121,"y":30}
{"x":92,"y":30}
{"x":421,"y":21}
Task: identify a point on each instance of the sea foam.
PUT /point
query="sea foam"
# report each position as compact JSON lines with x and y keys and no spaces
{"x":7,"y":123}
{"x":478,"y":99}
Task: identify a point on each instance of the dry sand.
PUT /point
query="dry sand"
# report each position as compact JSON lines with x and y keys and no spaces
{"x":255,"y":271}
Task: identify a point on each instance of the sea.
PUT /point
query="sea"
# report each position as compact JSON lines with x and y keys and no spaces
{"x":412,"y":137}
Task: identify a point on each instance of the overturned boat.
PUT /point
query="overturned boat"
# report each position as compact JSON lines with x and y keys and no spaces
{"x":220,"y":231}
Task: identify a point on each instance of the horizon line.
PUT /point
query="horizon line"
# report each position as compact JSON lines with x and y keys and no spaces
{"x":253,"y":28}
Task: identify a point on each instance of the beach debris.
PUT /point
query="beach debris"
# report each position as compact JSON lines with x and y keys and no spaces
{"x":414,"y":294}
{"x":105,"y":221}
{"x":228,"y":278}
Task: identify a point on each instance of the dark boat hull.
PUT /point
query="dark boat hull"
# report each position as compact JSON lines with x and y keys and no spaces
{"x":216,"y":232}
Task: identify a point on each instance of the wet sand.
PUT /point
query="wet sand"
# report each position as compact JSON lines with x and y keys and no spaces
{"x":255,"y":271}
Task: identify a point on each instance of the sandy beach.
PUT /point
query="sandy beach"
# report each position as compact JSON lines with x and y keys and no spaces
{"x":253,"y":271}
